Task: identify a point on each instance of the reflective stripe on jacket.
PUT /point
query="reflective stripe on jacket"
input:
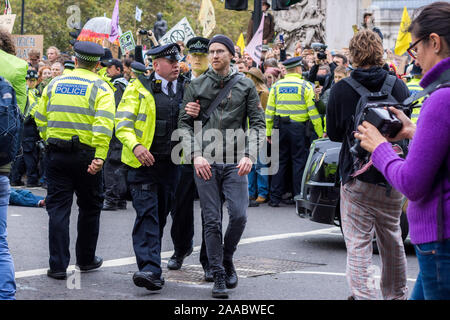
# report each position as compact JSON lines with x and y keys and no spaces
{"x":414,"y":88}
{"x":80,"y":104}
{"x":135,"y":121}
{"x":293,"y":97}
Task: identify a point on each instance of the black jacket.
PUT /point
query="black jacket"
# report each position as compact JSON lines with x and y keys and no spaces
{"x":342,"y":106}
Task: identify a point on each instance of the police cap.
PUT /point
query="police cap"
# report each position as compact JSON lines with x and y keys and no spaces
{"x":69,"y":64}
{"x":31,"y":74}
{"x":138,"y":67}
{"x":88,"y":51}
{"x":198,"y":45}
{"x":113,"y":62}
{"x":168,"y":51}
{"x":293,"y":62}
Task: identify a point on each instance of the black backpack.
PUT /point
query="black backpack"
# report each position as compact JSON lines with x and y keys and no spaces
{"x":11,"y":123}
{"x":362,"y":170}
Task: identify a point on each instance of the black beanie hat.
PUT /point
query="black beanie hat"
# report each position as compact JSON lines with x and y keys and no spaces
{"x":220,"y":38}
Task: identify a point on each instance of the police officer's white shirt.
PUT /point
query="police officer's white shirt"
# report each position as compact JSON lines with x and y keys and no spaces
{"x":164,"y":84}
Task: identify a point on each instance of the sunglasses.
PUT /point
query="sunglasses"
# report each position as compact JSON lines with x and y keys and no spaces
{"x":412,"y":48}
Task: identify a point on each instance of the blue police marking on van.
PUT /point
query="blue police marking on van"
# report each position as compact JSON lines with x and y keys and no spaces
{"x":288,"y":90}
{"x":72,"y":89}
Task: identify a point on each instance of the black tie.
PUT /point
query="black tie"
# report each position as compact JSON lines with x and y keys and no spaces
{"x":170,"y":90}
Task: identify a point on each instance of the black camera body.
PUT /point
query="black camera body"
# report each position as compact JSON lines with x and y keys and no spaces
{"x":320,"y":48}
{"x":143,"y":32}
{"x":384,"y":120}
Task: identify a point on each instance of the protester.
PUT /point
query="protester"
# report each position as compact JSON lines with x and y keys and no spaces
{"x":368,"y":203}
{"x":53,"y":54}
{"x":57,"y":69}
{"x":228,"y":172}
{"x":426,"y":184}
{"x":269,"y":25}
{"x":34,"y":57}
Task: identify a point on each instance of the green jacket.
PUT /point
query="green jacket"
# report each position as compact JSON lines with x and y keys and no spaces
{"x":15,"y":70}
{"x":232,"y":113}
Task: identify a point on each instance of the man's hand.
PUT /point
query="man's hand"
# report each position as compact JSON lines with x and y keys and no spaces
{"x":144,"y":156}
{"x":202,"y":168}
{"x":245,"y":166}
{"x":193,"y":109}
{"x":317,"y":91}
{"x":95,"y":166}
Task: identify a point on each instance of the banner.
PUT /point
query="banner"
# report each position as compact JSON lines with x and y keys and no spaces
{"x":26,"y":43}
{"x":207,"y":18}
{"x":126,"y":41}
{"x":7,"y":22}
{"x":403,"y":37}
{"x":182,"y":31}
{"x":254,"y":48}
{"x":114,"y":24}
{"x":138,"y":15}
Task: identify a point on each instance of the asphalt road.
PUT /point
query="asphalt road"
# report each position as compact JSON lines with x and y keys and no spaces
{"x":280,"y":257}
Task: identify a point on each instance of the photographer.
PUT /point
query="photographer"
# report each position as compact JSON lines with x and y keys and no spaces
{"x":423,"y":177}
{"x":367,"y":206}
{"x":322,"y":58}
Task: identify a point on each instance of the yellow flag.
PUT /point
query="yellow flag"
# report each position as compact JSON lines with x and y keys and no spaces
{"x":403,"y":37}
{"x":207,"y":18}
{"x":241,"y":43}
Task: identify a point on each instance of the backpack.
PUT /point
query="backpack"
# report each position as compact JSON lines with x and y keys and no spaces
{"x":11,"y":123}
{"x":362,"y":168}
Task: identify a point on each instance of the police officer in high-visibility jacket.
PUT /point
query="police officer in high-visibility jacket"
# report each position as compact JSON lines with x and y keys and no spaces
{"x":75,"y":117}
{"x":145,"y":121}
{"x":414,"y":88}
{"x":289,"y":108}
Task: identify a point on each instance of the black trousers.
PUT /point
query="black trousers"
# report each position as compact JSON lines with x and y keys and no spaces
{"x":293,"y":148}
{"x":66,"y":174}
{"x":111,"y":170}
{"x":182,"y":230}
{"x":153,"y":192}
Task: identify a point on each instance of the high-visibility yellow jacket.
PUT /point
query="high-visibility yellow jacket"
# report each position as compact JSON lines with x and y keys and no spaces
{"x":33,"y":100}
{"x":135,"y":121}
{"x":415,"y":88}
{"x":293,"y":97}
{"x":80,"y":104}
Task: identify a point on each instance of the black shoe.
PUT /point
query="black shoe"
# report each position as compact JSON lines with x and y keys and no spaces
{"x":176,"y":260}
{"x":92,"y":266}
{"x":33,"y":185}
{"x":231,"y":275}
{"x":16,"y":184}
{"x":122,"y":206}
{"x":109,"y":206}
{"x":208,"y":275}
{"x":253,"y":203}
{"x":148,"y":280}
{"x":58,"y":275}
{"x":220,"y":288}
{"x":273,"y":204}
{"x":288,"y":201}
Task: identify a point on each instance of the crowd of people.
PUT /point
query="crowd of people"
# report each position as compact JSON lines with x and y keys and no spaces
{"x":103,"y":127}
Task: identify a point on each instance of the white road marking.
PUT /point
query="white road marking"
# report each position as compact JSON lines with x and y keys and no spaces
{"x":168,"y":254}
{"x":327,"y":274}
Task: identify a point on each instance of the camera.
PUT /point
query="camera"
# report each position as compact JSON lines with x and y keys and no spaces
{"x":383,"y":119}
{"x":143,"y":32}
{"x":320,"y":49}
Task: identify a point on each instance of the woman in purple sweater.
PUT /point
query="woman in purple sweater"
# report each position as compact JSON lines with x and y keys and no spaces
{"x":423,"y":177}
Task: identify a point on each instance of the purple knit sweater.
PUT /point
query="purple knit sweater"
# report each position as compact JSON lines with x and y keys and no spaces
{"x":418,"y":176}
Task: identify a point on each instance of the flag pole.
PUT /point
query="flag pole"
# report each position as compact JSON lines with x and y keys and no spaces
{"x":257,"y":14}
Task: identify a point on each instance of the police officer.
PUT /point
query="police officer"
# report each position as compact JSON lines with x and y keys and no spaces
{"x":137,"y":69}
{"x":145,"y":120}
{"x":28,"y":162}
{"x":414,"y":88}
{"x":115,"y":186}
{"x":182,"y":230}
{"x":289,"y":108}
{"x":76,"y":118}
{"x":69,"y":66}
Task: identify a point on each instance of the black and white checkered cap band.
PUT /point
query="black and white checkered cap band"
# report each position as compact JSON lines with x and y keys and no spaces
{"x":86,"y":57}
{"x":167,"y":53}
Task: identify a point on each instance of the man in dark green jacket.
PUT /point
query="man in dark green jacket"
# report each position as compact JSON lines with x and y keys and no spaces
{"x":219,"y":169}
